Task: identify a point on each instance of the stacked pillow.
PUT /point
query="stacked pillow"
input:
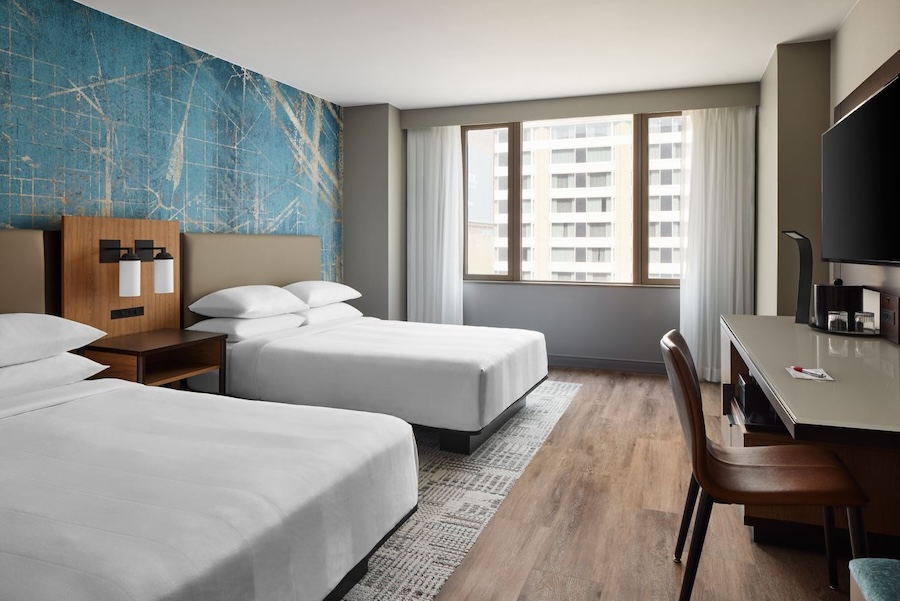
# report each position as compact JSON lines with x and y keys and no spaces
{"x":34,"y":352}
{"x":326,"y":300}
{"x":243,"y":312}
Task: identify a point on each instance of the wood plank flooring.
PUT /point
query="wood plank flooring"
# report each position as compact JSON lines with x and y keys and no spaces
{"x":596,"y":513}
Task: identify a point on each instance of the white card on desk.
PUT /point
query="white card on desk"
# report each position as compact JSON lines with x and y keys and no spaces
{"x":807,"y":372}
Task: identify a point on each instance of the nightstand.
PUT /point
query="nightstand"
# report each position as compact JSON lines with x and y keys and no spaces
{"x":160,"y":356}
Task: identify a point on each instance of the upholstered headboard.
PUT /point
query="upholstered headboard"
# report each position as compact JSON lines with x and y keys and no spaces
{"x":29,"y":271}
{"x":211,"y":262}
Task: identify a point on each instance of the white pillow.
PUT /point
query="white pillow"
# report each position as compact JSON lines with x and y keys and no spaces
{"x":26,"y":337}
{"x":318,"y":315}
{"x":248,"y":302}
{"x":317,"y":293}
{"x":239,"y":329}
{"x":65,"y":368}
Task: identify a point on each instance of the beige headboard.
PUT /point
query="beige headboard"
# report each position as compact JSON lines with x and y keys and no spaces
{"x":29,"y":271}
{"x":211,"y":262}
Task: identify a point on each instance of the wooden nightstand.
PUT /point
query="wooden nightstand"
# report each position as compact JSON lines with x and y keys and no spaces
{"x":160,"y":356}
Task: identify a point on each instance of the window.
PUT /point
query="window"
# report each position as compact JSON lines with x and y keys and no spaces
{"x":599,"y":180}
{"x":601,"y":193}
{"x":600,"y":255}
{"x":600,"y":230}
{"x":562,"y":180}
{"x":599,"y":205}
{"x":562,"y":230}
{"x":562,"y":255}
{"x":562,"y":205}
{"x":565,"y":155}
{"x":665,"y":203}
{"x":599,"y":155}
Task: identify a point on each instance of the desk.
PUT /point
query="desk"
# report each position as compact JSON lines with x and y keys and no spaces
{"x":857,"y":415}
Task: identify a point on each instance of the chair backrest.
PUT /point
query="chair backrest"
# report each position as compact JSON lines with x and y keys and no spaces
{"x":688,"y":401}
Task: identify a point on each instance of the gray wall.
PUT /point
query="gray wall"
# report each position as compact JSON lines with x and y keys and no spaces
{"x":794,"y":113}
{"x":375,"y":209}
{"x":767,"y":232}
{"x":602,"y":327}
{"x":867,"y":38}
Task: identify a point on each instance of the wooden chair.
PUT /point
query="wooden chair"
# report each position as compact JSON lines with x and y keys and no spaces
{"x":769,"y":475}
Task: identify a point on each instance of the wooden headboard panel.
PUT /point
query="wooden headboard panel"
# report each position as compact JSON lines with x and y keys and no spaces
{"x":90,"y":289}
{"x":211,"y":262}
{"x":30,"y":272}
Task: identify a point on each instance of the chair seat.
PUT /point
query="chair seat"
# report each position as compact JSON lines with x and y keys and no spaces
{"x":876,"y":579}
{"x":780,"y":475}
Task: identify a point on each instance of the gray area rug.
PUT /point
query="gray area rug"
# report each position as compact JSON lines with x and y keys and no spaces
{"x":458,"y":495}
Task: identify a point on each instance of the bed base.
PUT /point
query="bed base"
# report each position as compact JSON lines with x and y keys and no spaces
{"x":466,"y":443}
{"x":359,"y":570}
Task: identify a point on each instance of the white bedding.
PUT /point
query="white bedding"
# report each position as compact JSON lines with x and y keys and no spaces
{"x":111,"y":490}
{"x":443,"y":376}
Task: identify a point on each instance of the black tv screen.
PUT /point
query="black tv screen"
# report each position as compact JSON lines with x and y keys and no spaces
{"x":861,"y":182}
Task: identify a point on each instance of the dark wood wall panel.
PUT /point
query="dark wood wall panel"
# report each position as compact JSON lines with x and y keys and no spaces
{"x":90,"y":289}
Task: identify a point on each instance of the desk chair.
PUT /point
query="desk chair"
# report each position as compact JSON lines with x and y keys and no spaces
{"x":769,"y":475}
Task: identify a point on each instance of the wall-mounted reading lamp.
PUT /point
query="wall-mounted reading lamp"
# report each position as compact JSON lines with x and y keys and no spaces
{"x":130,"y":266}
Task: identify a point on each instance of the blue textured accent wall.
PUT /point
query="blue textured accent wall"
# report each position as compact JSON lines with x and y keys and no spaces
{"x":102,"y":118}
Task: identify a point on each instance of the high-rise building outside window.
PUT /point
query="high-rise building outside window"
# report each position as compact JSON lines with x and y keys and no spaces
{"x":589,"y":215}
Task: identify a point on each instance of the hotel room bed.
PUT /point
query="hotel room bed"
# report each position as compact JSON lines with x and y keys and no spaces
{"x":114,"y":490}
{"x":464,"y":381}
{"x":449,"y":377}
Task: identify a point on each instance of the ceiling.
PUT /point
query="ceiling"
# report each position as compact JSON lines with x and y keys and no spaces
{"x":425,"y":53}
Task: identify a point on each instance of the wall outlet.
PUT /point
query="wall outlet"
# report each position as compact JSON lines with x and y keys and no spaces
{"x":129,"y":312}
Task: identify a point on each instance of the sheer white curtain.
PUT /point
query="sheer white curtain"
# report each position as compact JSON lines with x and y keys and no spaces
{"x":434,"y":225}
{"x":718,"y":198}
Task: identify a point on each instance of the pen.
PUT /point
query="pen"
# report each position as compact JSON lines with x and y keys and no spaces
{"x":807,"y":372}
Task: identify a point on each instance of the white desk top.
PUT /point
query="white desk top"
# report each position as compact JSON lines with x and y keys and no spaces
{"x":865,"y":393}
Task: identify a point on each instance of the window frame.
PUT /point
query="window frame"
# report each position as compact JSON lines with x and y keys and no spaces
{"x":641,"y":205}
{"x":645,"y":200}
{"x":513,"y":202}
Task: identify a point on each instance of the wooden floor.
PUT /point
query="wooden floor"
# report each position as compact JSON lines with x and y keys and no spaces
{"x":596,"y":513}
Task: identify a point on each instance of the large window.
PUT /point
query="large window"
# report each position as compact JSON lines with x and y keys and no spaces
{"x":602,"y":205}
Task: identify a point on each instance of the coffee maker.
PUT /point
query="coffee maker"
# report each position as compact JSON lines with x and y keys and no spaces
{"x":836,"y":297}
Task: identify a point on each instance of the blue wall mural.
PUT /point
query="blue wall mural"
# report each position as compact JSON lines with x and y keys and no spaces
{"x":102,"y":118}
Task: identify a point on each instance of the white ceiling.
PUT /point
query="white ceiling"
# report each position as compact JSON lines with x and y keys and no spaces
{"x":428,"y":53}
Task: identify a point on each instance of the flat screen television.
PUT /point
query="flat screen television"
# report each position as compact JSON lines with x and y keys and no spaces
{"x":861,"y":182}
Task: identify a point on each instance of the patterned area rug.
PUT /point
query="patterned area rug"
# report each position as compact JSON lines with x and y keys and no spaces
{"x":458,"y":495}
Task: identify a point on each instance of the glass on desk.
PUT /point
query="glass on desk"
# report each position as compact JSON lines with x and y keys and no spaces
{"x":837,"y":321}
{"x":864,"y":322}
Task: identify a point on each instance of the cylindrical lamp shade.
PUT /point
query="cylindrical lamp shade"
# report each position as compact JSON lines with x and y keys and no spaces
{"x":164,"y":273}
{"x":129,"y":275}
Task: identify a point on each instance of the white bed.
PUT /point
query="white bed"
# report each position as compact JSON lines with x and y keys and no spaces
{"x":465,"y":381}
{"x":111,"y":490}
{"x":440,"y":376}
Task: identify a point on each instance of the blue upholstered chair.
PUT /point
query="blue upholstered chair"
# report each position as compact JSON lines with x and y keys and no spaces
{"x":874,"y":579}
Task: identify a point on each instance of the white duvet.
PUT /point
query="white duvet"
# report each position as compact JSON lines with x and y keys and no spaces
{"x":115,"y":491}
{"x":443,"y":376}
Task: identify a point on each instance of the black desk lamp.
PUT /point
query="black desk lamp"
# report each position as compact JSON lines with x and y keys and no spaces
{"x":804,"y":282}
